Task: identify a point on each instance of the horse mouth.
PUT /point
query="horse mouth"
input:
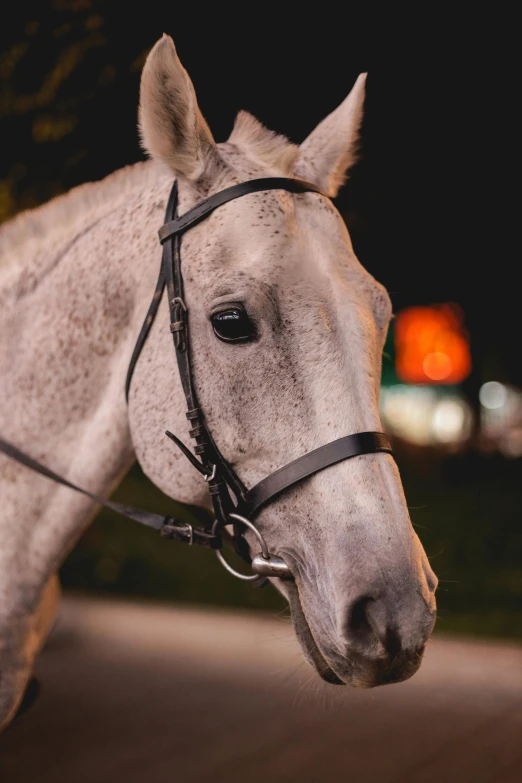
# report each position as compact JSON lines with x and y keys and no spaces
{"x":359,"y":671}
{"x":306,"y":639}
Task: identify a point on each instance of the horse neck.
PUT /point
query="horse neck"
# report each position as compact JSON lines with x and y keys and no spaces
{"x":72,"y":311}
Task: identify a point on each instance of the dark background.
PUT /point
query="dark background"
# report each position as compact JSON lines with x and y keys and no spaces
{"x":430,"y":208}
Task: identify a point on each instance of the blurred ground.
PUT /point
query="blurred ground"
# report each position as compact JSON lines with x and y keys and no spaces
{"x":145,"y":693}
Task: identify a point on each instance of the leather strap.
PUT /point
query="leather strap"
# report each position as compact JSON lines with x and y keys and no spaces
{"x":311,"y":463}
{"x":154,"y":305}
{"x":222,"y":477}
{"x":167,"y":526}
{"x":224,"y":480}
{"x":145,"y":329}
{"x":180,"y":224}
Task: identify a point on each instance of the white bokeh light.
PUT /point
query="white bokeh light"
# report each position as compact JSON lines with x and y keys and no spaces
{"x":422,"y":415}
{"x":493,"y":395}
{"x":449,"y":421}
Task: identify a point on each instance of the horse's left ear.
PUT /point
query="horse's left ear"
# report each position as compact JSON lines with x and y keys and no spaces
{"x":172,"y":127}
{"x":331,"y":149}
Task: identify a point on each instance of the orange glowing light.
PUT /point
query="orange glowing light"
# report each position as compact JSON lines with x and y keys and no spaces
{"x":437,"y":366}
{"x":432,"y":345}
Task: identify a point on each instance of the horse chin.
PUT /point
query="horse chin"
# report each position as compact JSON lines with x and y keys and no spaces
{"x":302,"y":630}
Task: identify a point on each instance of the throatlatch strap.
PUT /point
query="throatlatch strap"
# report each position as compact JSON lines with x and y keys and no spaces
{"x":153,"y":307}
{"x":145,"y":329}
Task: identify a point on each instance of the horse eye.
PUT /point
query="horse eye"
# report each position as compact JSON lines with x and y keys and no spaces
{"x":233,"y":325}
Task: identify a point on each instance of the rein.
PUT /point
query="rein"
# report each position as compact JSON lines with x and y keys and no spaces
{"x":232,"y":502}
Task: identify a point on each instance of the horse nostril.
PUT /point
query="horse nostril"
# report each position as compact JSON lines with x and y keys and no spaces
{"x":392,"y":643}
{"x":386,"y":628}
{"x":359,"y":627}
{"x":366,"y":627}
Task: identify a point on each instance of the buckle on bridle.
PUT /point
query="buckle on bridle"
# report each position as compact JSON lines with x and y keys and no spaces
{"x":212,"y":475}
{"x":178,"y":325}
{"x":179,"y":301}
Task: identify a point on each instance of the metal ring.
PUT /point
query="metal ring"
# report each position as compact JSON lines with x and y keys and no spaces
{"x":255,"y":531}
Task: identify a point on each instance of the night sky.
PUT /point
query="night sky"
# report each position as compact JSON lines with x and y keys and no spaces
{"x":430,"y":207}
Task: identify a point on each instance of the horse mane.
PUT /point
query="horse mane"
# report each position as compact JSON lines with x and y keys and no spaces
{"x":64,"y":213}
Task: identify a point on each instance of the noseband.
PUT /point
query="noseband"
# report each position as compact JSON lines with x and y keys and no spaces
{"x":234,"y":504}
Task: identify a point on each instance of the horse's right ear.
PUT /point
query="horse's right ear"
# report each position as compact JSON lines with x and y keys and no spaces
{"x":171,"y":125}
{"x":331,"y":149}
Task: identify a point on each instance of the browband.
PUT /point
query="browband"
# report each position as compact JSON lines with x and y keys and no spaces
{"x":204,"y":208}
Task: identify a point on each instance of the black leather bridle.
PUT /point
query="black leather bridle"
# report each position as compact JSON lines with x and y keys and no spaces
{"x":233,"y":503}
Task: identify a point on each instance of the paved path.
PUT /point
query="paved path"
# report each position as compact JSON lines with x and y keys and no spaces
{"x":136,"y":693}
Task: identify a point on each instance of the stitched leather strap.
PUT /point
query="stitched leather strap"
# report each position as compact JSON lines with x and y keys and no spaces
{"x":311,"y":463}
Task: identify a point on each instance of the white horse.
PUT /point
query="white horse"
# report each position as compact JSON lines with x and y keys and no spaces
{"x":76,"y":276}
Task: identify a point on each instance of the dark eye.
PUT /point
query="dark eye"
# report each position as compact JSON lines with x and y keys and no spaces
{"x":233,"y":325}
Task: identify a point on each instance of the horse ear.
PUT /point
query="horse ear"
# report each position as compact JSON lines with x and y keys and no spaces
{"x":331,"y":149}
{"x":172,"y":128}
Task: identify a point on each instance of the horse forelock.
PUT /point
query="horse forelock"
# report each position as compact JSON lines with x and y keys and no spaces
{"x":268,"y":148}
